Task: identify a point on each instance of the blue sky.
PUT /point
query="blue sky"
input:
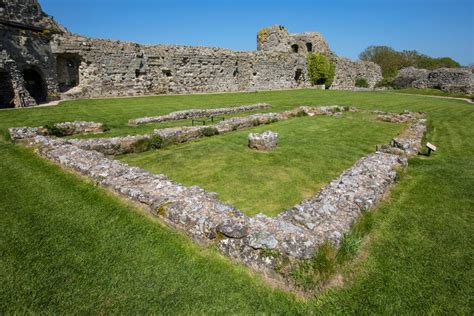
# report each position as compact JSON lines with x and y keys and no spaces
{"x":434,"y":27}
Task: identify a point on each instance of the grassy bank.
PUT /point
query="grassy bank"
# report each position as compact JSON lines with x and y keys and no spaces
{"x":69,"y":247}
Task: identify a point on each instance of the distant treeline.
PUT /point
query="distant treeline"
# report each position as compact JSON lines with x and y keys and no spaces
{"x":391,"y":61}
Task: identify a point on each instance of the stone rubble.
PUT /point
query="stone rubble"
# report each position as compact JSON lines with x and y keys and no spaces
{"x":198,"y":113}
{"x":264,"y":141}
{"x":66,"y":128}
{"x":255,"y":241}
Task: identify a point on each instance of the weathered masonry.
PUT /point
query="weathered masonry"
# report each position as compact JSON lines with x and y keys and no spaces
{"x":41,"y":61}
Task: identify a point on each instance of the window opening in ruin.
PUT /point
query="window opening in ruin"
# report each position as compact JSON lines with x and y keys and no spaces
{"x":298,"y":75}
{"x":35,"y":85}
{"x":309,"y":47}
{"x":166,"y":72}
{"x":294,"y":48}
{"x":236,"y":72}
{"x":67,"y":69}
{"x":6,"y":91}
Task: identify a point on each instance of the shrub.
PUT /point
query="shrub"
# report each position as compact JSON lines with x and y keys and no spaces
{"x":105,"y":127}
{"x":262,"y":35}
{"x":53,"y":130}
{"x":156,"y":142}
{"x":209,"y":131}
{"x":386,"y":82}
{"x":361,"y":83}
{"x":301,"y":113}
{"x":320,"y":69}
{"x":140,"y":145}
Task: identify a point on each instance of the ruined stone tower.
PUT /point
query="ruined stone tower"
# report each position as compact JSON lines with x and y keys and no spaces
{"x":41,"y":61}
{"x":277,"y":38}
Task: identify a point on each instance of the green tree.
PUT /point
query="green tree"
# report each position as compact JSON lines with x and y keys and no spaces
{"x":391,"y":61}
{"x":320,"y":69}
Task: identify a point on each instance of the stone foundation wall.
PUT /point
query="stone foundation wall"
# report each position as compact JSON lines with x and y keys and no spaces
{"x":197,"y":113}
{"x":260,"y":242}
{"x":65,"y":129}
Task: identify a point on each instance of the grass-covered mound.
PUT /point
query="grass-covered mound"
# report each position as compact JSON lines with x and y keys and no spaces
{"x":311,"y":152}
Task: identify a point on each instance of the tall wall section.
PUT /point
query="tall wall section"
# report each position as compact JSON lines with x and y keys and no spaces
{"x":27,"y":66}
{"x":113,"y":68}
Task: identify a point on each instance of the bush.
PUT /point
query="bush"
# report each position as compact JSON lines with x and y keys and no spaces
{"x":209,"y":131}
{"x":105,"y":127}
{"x":386,"y":82}
{"x":140,"y":145}
{"x":361,"y":83}
{"x":156,"y":142}
{"x":320,"y":69}
{"x":301,"y":113}
{"x":53,"y":130}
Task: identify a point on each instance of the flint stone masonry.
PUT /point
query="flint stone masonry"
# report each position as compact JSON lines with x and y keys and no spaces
{"x":347,"y":72}
{"x":294,"y":234}
{"x":67,"y":129}
{"x":264,"y":141}
{"x":181,"y":134}
{"x":68,"y":66}
{"x":409,"y":142}
{"x":456,"y":80}
{"x":198,"y":113}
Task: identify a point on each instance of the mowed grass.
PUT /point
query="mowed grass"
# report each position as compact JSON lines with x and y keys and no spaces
{"x":67,"y":246}
{"x":311,"y":152}
{"x":433,"y":92}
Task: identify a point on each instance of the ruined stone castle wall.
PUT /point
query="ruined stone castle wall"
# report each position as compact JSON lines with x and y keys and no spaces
{"x":456,"y":80}
{"x":348,"y":71}
{"x":112,"y":68}
{"x":25,"y":36}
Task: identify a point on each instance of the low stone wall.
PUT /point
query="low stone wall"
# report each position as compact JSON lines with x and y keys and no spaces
{"x":65,"y":129}
{"x":294,"y":234}
{"x":198,"y":113}
{"x":181,"y":134}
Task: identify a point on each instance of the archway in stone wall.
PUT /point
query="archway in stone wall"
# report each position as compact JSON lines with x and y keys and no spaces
{"x":35,"y":85}
{"x":294,"y":48}
{"x":309,"y":47}
{"x":67,"y":69}
{"x":6,"y":91}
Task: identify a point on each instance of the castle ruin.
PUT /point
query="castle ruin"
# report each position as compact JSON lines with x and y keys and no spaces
{"x":40,"y":61}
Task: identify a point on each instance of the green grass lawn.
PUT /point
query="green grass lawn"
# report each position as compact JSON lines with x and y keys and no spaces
{"x":311,"y":152}
{"x":435,"y":92}
{"x":67,"y":246}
